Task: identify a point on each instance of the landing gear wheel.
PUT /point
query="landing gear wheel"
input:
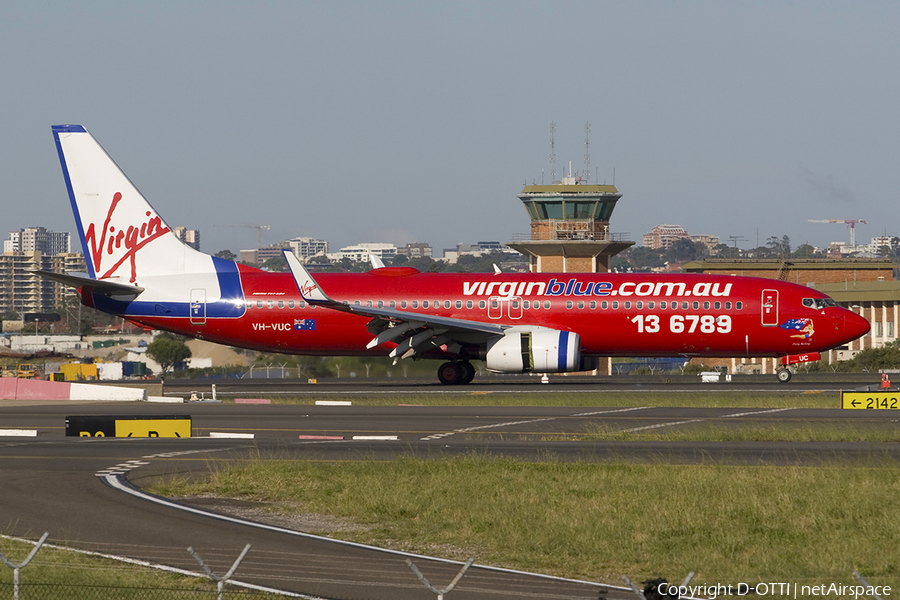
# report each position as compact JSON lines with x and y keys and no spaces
{"x":467,"y":372}
{"x":783,"y":375}
{"x":449,"y":373}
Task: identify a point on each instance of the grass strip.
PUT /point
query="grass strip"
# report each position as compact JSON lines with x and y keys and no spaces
{"x":717,"y":431}
{"x":597,"y":520}
{"x":708,"y":399}
{"x":59,"y":573}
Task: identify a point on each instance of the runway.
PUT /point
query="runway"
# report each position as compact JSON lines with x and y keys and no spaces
{"x":75,"y":488}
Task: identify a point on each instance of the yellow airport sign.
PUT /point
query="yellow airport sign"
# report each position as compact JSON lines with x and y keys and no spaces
{"x":870,"y":400}
{"x":147,"y":428}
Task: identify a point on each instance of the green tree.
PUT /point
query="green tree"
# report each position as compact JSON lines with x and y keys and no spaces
{"x":805,"y":251}
{"x":226,"y":254}
{"x":276,"y":263}
{"x":684,"y":250}
{"x":167,"y":351}
{"x":875,"y":359}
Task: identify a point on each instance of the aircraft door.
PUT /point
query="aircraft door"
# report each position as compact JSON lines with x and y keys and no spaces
{"x":495,"y":307}
{"x":515,"y":307}
{"x":198,"y":306}
{"x":770,"y":308}
{"x":499,"y":306}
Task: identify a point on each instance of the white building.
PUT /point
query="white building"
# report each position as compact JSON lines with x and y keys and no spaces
{"x":307,"y":247}
{"x":361,"y":252}
{"x":38,"y":239}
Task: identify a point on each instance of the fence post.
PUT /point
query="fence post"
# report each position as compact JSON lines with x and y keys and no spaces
{"x":220,"y":581}
{"x":446,"y":590}
{"x":863,"y":581}
{"x":17,"y":567}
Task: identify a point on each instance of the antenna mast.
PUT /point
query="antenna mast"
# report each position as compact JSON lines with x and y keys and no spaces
{"x":587,"y":151}
{"x":552,"y":152}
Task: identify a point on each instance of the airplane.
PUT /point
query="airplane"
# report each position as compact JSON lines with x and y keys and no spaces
{"x":514,"y":322}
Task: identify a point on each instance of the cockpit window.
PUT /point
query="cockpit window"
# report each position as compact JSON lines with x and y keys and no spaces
{"x":818,"y":303}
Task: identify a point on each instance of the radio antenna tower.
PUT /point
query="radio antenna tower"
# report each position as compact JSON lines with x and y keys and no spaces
{"x":587,"y":151}
{"x":552,"y":152}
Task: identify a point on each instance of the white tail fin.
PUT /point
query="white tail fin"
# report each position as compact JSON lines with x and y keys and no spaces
{"x":123,"y":236}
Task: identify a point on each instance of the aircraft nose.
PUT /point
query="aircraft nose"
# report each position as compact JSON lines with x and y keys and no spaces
{"x":855,"y":325}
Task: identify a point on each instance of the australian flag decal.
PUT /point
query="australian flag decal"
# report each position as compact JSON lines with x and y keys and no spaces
{"x":804,"y":326}
{"x":304,"y":324}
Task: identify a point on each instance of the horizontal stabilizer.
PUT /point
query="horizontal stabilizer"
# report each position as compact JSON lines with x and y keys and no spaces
{"x":104,"y":286}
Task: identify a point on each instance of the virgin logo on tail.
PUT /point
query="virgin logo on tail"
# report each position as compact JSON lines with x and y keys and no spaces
{"x":112,"y":240}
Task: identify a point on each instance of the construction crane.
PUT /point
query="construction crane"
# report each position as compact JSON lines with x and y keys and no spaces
{"x":258,"y":229}
{"x":850,"y":222}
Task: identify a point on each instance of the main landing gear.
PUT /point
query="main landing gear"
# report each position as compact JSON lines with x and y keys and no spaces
{"x":453,"y":373}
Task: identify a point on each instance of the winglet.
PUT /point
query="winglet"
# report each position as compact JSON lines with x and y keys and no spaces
{"x":308,"y":287}
{"x":377,"y":263}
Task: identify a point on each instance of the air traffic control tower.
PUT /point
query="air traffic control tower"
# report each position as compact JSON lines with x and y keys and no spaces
{"x":570,"y":227}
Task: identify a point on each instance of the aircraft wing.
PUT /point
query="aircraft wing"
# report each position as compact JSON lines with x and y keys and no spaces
{"x":412,"y":332}
{"x":107,"y":287}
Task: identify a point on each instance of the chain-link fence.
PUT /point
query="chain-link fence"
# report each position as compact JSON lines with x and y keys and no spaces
{"x":59,"y":591}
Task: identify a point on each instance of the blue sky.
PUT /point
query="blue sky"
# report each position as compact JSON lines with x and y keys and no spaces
{"x":405,"y":121}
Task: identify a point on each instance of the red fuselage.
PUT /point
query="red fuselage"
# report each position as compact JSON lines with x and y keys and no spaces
{"x":614,"y":314}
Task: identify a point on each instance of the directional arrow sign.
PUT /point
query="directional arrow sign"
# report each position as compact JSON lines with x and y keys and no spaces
{"x":870,"y":400}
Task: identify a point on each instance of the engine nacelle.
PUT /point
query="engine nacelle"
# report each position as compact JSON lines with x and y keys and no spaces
{"x":534,"y":350}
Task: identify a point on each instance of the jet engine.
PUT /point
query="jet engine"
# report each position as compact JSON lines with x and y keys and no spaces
{"x":534,"y":350}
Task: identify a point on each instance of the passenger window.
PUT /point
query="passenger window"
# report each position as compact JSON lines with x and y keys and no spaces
{"x":459,"y":304}
{"x":580,"y":304}
{"x":684,"y":305}
{"x":259,"y":304}
{"x":728,"y":306}
{"x":615,"y":304}
{"x":270,"y":304}
{"x":393,"y":304}
{"x":547,"y":304}
{"x":662,"y":304}
{"x":593,"y":304}
{"x":739,"y":305}
{"x":651,"y":305}
{"x":381,"y":304}
{"x":290,"y":304}
{"x":526,"y":304}
{"x":706,"y":305}
{"x":281,"y":304}
{"x":628,"y":305}
{"x":696,"y":305}
{"x":403,"y":304}
{"x":481,"y":304}
{"x":468,"y":304}
{"x":356,"y":303}
{"x":446,"y":304}
{"x":639,"y":305}
{"x":515,"y":304}
{"x":424,"y":303}
{"x":415,"y":304}
{"x":718,"y":305}
{"x":568,"y":304}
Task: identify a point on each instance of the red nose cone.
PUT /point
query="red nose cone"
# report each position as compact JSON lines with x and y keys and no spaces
{"x":855,"y":326}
